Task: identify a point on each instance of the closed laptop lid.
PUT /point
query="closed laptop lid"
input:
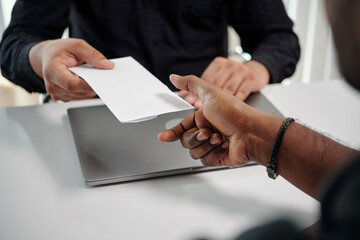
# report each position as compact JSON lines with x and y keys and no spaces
{"x":110,"y":151}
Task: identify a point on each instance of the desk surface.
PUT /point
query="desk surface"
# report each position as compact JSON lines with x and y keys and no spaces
{"x":42,"y":195}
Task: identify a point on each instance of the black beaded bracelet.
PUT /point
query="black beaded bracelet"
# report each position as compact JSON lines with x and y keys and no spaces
{"x":271,"y":166}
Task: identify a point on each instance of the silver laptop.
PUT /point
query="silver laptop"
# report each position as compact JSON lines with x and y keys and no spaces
{"x":110,"y":151}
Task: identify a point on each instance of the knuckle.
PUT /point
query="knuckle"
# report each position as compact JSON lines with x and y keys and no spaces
{"x":250,"y":74}
{"x":47,"y":75}
{"x":186,"y":141}
{"x":212,"y":92}
{"x":194,"y":154}
{"x":69,"y":86}
{"x":91,"y":94}
{"x":245,"y":70}
{"x":206,"y":163}
{"x":231,"y":64}
{"x":94,"y":54}
{"x":192,"y":77}
{"x":183,"y":142}
{"x":242,"y":67}
{"x":230,"y":87}
{"x":50,"y":89}
{"x":80,"y":96}
{"x":219,"y":59}
{"x":79,"y":43}
{"x":192,"y":142}
{"x":55,"y":97}
{"x":242,"y":94}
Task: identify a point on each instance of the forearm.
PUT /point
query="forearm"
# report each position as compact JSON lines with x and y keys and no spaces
{"x":305,"y":157}
{"x":15,"y":62}
{"x":15,"y":65}
{"x":32,"y":22}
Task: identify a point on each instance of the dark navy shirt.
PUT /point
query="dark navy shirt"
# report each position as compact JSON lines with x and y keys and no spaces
{"x":166,"y":36}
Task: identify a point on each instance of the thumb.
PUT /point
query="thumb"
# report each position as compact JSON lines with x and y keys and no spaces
{"x":223,"y":110}
{"x":176,"y":132}
{"x":90,"y":55}
{"x":192,"y":84}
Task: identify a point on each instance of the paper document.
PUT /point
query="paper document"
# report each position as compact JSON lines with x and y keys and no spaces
{"x":130,"y":91}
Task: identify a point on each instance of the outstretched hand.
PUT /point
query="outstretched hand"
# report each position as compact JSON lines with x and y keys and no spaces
{"x":217,"y":132}
{"x":51,"y":59}
{"x":239,"y":79}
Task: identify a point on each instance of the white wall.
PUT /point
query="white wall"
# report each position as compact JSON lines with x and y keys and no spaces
{"x":318,"y":57}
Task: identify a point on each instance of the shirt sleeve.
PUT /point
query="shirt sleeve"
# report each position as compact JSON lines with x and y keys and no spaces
{"x":276,"y":230}
{"x":32,"y":21}
{"x":266,"y":33}
{"x":340,"y":208}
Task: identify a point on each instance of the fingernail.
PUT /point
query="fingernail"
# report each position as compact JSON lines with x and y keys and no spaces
{"x":174,"y":76}
{"x":214,"y":140}
{"x":190,"y":99}
{"x":225,"y":145}
{"x":198,"y":104}
{"x":106,"y":61}
{"x":201,"y":137}
{"x":183,"y":93}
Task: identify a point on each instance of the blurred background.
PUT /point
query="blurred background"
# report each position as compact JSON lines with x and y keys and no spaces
{"x":317,"y":63}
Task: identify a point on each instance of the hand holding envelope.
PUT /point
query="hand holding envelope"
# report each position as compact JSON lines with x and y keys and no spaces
{"x":148,"y":96}
{"x":51,"y":59}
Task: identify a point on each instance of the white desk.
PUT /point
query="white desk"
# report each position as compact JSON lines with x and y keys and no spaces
{"x":42,"y":195}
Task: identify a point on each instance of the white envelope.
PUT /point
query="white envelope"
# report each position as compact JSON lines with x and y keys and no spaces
{"x":130,"y":91}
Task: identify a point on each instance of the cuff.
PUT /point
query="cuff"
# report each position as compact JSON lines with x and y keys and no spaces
{"x":271,"y":64}
{"x":25,"y":75}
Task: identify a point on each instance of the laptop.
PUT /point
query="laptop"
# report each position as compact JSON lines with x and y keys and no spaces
{"x":112,"y":152}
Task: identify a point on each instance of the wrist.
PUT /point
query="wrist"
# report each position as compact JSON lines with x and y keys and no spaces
{"x":262,"y":134}
{"x":262,"y":74}
{"x":35,"y":57}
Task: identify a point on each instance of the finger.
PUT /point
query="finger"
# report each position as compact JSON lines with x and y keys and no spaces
{"x":214,"y":158}
{"x":67,"y":98}
{"x":213,"y":67}
{"x":70,"y":82}
{"x":191,"y":99}
{"x":61,"y":97}
{"x":201,"y":121}
{"x":225,"y":72}
{"x":86,"y":53}
{"x":194,"y":137}
{"x":198,"y":104}
{"x":176,"y":132}
{"x":244,"y":90}
{"x":58,"y":93}
{"x":192,"y":84}
{"x":205,"y":147}
{"x":233,"y":84}
{"x":183,"y":94}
